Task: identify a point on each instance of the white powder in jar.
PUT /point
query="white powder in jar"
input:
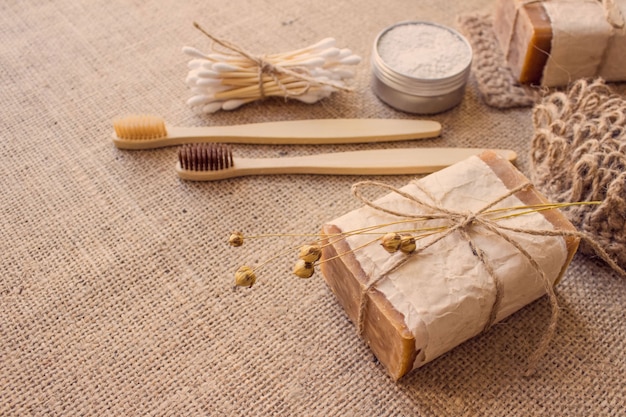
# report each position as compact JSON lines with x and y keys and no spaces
{"x":422,"y":50}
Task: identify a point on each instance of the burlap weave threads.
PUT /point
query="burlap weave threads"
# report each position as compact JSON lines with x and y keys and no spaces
{"x":578,"y":154}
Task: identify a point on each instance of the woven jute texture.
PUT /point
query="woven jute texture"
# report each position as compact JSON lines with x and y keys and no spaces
{"x":116,"y":293}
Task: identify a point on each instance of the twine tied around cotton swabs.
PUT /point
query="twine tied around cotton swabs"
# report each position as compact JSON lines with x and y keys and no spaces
{"x":463,"y":222}
{"x":266,"y":67}
{"x":238,"y":77}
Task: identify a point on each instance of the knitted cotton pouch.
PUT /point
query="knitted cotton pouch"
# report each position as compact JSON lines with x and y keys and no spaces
{"x":495,"y":81}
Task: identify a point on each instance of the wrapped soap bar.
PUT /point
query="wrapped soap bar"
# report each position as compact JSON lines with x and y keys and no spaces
{"x":555,"y":42}
{"x":411,"y":308}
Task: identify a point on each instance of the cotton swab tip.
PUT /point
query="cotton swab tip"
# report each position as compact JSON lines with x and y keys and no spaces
{"x":199,"y":100}
{"x":191,"y":51}
{"x":351,"y":60}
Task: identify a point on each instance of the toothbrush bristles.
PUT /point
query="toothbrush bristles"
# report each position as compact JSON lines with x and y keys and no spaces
{"x":141,"y":127}
{"x":205,"y":157}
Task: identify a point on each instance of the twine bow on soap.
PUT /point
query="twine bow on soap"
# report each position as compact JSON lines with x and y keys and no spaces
{"x":462,"y":223}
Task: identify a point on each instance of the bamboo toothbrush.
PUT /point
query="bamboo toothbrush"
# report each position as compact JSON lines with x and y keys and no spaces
{"x":213,"y":161}
{"x":148,"y":132}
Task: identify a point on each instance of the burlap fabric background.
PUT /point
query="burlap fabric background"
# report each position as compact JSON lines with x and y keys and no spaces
{"x":116,"y":290}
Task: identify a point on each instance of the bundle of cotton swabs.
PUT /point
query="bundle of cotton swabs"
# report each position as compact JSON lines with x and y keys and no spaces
{"x":228,"y":79}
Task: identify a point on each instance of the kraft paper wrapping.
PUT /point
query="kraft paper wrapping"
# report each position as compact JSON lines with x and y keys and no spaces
{"x":445,"y":293}
{"x":613,"y":67}
{"x":581,"y":36}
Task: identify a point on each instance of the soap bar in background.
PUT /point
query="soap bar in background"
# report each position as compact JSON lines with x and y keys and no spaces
{"x":524,"y":33}
{"x":553,"y":43}
{"x":438,"y":298}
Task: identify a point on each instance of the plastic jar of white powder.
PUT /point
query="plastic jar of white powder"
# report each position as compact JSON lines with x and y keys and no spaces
{"x":420,"y":67}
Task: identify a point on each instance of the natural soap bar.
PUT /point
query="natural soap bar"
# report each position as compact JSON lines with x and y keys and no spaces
{"x":555,"y":42}
{"x":426,"y":303}
{"x":525,"y":34}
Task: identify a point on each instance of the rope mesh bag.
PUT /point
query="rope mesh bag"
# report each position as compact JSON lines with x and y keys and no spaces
{"x":578,"y":154}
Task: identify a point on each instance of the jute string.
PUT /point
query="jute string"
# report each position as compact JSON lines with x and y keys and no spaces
{"x":272,"y":69}
{"x":462,"y":222}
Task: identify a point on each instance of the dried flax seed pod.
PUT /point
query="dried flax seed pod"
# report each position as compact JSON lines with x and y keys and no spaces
{"x":391,"y":242}
{"x":408,"y":244}
{"x":245,"y":277}
{"x":236,"y":239}
{"x":303,"y":269}
{"x":310,"y":253}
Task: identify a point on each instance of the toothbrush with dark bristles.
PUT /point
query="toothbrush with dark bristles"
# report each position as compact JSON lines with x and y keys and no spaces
{"x":214,"y":161}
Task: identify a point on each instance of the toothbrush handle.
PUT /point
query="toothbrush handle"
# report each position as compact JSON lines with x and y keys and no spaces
{"x":316,"y":131}
{"x":370,"y":162}
{"x":321,"y":131}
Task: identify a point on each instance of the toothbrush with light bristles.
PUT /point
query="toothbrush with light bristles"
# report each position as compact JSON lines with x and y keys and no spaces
{"x":149,"y":132}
